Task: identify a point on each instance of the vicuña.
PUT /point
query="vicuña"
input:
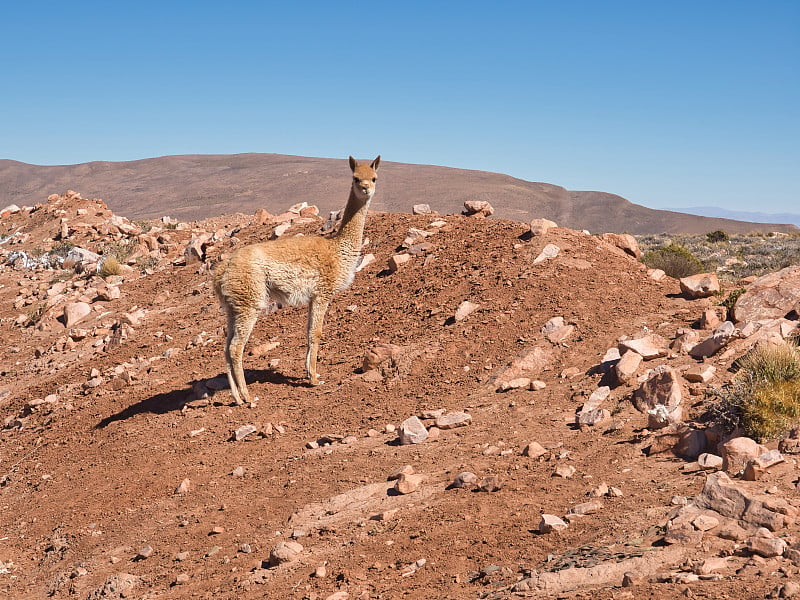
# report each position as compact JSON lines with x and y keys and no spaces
{"x":292,"y":272}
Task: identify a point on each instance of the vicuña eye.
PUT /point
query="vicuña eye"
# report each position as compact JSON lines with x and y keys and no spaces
{"x":374,"y":179}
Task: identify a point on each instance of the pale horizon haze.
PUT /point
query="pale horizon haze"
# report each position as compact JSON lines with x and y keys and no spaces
{"x":679,"y":104}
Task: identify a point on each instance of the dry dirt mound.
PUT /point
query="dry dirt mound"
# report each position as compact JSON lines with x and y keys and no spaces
{"x":125,"y":470}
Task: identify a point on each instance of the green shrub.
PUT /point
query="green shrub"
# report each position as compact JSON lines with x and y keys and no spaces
{"x":676,"y":261}
{"x":730,"y":301}
{"x":717,"y":236}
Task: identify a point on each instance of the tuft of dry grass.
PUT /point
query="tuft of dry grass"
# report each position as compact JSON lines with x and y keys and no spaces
{"x":110,"y":266}
{"x":764,"y":398}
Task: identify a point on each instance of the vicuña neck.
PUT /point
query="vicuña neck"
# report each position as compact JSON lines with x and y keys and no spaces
{"x":355,"y":215}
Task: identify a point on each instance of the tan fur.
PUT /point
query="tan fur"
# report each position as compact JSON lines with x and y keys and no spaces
{"x":292,"y":272}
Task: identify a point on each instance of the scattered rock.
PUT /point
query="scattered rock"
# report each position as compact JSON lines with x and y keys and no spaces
{"x":412,"y":431}
{"x":709,"y":462}
{"x":628,"y":365}
{"x":648,"y":347}
{"x":242,"y":432}
{"x":550,"y":251}
{"x":478,"y":208}
{"x":492,"y":483}
{"x":738,"y":452}
{"x":702,"y":373}
{"x":284,"y":552}
{"x":453,"y":420}
{"x":183,"y":487}
{"x":551,"y":523}
{"x":465,"y":479}
{"x":541,"y":226}
{"x":715,"y":342}
{"x":408,"y":484}
{"x":465,"y":309}
{"x":75,"y":312}
{"x":699,"y":286}
{"x":534,"y":450}
{"x":772,"y":296}
{"x":565,"y":471}
{"x":556,"y":331}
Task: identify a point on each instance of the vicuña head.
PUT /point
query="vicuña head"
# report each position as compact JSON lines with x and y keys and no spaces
{"x":292,"y":272}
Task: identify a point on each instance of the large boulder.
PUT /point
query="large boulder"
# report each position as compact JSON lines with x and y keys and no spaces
{"x":772,"y":296}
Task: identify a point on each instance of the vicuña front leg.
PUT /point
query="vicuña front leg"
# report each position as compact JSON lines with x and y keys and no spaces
{"x":316,"y":316}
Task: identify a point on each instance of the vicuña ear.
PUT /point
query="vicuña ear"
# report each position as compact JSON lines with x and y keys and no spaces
{"x":376,"y":163}
{"x":353,"y":163}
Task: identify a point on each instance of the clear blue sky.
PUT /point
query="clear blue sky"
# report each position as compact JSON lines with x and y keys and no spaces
{"x":680,"y":103}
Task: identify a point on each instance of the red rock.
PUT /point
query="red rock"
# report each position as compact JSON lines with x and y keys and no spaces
{"x":700,"y":286}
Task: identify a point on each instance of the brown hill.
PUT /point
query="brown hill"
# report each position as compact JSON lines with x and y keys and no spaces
{"x":199,"y":187}
{"x":120,"y":475}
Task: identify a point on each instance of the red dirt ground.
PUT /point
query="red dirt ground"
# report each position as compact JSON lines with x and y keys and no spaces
{"x":90,"y":478}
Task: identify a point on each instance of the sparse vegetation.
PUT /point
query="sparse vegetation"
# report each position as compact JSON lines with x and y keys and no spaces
{"x":110,"y":266}
{"x":742,"y":255}
{"x":120,"y":250}
{"x":676,"y":261}
{"x":35,"y":314}
{"x":717,"y":236}
{"x":730,"y":301}
{"x":764,"y":398}
{"x":144,"y":263}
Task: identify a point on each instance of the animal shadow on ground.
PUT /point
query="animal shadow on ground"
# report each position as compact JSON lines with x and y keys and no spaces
{"x":175,"y":399}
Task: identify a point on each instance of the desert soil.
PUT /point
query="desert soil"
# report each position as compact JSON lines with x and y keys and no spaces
{"x":100,"y":432}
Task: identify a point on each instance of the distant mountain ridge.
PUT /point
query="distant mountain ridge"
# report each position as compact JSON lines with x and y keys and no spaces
{"x":192,"y":187}
{"x":741,"y":215}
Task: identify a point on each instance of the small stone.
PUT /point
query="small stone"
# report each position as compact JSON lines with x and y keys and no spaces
{"x":534,"y":450}
{"x":144,"y":552}
{"x":238,"y":472}
{"x":397,"y":473}
{"x":565,"y":471}
{"x":76,"y":312}
{"x":217,"y":530}
{"x":541,"y":226}
{"x":705,"y":522}
{"x":550,"y":523}
{"x":243,"y":431}
{"x":465,"y":309}
{"x":321,"y":572}
{"x":550,"y":251}
{"x":398,"y":260}
{"x":700,"y":373}
{"x":709,"y":462}
{"x":246,"y":549}
{"x":182,"y":578}
{"x":586,"y":508}
{"x":493,"y":483}
{"x":284,"y":552}
{"x":699,"y":286}
{"x":518,"y":383}
{"x":453,"y":420}
{"x":464,"y":479}
{"x":183,"y":487}
{"x":408,"y":484}
{"x":181,"y":556}
{"x":412,"y":431}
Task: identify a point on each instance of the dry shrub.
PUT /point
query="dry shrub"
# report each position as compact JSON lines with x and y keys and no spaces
{"x":771,"y":410}
{"x":676,"y":261}
{"x":766,"y":393}
{"x":770,"y":363}
{"x":110,"y":266}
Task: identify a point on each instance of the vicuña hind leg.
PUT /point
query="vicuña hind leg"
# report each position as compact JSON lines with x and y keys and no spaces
{"x":316,"y":316}
{"x":240,"y":326}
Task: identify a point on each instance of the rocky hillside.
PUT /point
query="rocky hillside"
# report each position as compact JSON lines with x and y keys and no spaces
{"x":510,"y":411}
{"x":204,"y":186}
